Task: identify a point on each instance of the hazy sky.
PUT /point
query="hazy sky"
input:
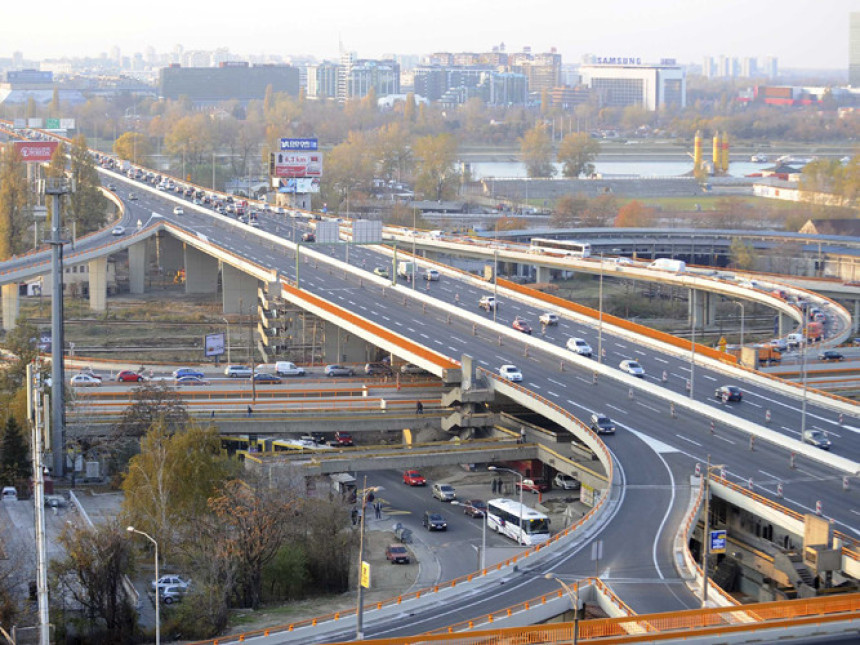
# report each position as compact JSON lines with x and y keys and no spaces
{"x":802,"y":33}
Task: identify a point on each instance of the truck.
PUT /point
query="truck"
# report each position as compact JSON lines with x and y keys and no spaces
{"x":814,"y":331}
{"x":756,"y":355}
{"x":343,"y":484}
{"x":668,"y":264}
{"x":405,"y":270}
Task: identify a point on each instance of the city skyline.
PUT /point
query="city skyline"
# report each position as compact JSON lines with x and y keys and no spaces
{"x":800,"y":33}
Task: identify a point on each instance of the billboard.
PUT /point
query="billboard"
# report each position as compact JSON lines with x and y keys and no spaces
{"x":19,"y":124}
{"x":67,"y":124}
{"x":299,"y":144}
{"x":214,"y":344}
{"x":297,"y":164}
{"x":34,"y":122}
{"x":36,"y":151}
{"x":298,"y":185}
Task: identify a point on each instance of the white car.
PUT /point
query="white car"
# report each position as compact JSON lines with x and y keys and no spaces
{"x":168,"y":581}
{"x":487,"y":303}
{"x":85,"y":380}
{"x":511,"y":372}
{"x":566,"y":482}
{"x":431,"y":275}
{"x":632,"y":367}
{"x":548,"y":319}
{"x":579,"y":346}
{"x":118,"y":230}
{"x":178,"y":210}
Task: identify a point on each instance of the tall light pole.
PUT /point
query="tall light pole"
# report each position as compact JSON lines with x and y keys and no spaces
{"x":359,"y":612}
{"x":483,"y":560}
{"x":573,"y":594}
{"x":741,"y":305}
{"x":600,"y":319}
{"x":228,"y":340}
{"x":707,"y":534}
{"x":495,"y":282}
{"x":131,"y":529}
{"x":693,"y":345}
{"x":803,"y":344}
{"x":414,"y":235}
{"x":510,"y":470}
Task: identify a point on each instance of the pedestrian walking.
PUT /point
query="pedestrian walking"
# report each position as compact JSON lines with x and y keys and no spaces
{"x":250,"y":411}
{"x":354,"y":515}
{"x":419,"y":408}
{"x":495,"y":485}
{"x":377,"y":506}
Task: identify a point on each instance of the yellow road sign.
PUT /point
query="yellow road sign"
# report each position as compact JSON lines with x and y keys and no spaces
{"x":365,"y":574}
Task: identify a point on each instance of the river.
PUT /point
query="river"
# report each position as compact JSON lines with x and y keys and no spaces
{"x":637,"y":168}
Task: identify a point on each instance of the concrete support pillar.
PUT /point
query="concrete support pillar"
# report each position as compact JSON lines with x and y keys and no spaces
{"x":782,"y":320}
{"x":237,"y":285}
{"x":201,"y":272}
{"x":710,"y":309}
{"x":169,"y":253}
{"x":856,"y":319}
{"x":343,"y":347}
{"x":138,"y":261}
{"x":11,"y":306}
{"x":97,"y":273}
{"x":543,"y":275}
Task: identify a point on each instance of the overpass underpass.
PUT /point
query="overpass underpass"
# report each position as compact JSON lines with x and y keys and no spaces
{"x":650,"y":459}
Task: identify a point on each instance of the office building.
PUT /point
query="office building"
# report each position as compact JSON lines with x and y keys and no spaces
{"x":854,"y":50}
{"x":229,"y":81}
{"x":623,"y":82}
{"x":357,"y":76}
{"x":322,"y":80}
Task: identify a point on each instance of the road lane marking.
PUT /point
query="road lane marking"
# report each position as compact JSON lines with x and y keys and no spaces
{"x":551,"y":393}
{"x":653,"y":409}
{"x":612,"y":407}
{"x":695,"y":443}
{"x":724,"y":439}
{"x":552,"y":380}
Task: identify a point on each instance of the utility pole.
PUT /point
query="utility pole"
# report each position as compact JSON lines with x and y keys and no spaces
{"x":34,"y":407}
{"x":57,"y":186}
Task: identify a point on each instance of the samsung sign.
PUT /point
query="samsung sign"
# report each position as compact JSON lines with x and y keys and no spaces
{"x":616,"y":60}
{"x":299,"y":144}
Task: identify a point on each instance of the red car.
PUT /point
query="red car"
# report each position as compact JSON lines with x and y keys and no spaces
{"x":522,"y":325}
{"x":129,"y":376}
{"x":343,"y":438}
{"x":413,"y":478}
{"x":534,"y":485}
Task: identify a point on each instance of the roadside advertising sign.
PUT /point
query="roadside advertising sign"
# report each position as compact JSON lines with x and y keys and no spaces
{"x":214,"y":344}
{"x":718,"y":541}
{"x":298,"y":185}
{"x":299,"y":144}
{"x":297,"y":164}
{"x":36,"y":151}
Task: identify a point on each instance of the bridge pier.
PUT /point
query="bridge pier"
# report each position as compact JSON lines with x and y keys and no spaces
{"x":97,"y":276}
{"x":342,"y":347}
{"x":169,"y":254}
{"x":201,"y":272}
{"x":236,"y":286}
{"x":856,"y":318}
{"x":543,"y":275}
{"x":138,"y":261}
{"x":11,"y":306}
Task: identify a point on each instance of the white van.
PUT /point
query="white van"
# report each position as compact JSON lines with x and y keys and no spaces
{"x":794,"y":340}
{"x":9,"y":494}
{"x":286,"y":368}
{"x":667,"y":264}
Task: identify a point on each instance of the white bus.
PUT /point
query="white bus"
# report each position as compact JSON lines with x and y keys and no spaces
{"x":570,"y":248}
{"x":503,"y":516}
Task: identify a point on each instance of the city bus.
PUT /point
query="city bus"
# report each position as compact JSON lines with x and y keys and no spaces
{"x":569,"y":248}
{"x":296,"y":445}
{"x":503,"y":516}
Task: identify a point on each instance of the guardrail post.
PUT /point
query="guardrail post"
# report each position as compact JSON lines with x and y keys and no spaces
{"x":818,"y":508}
{"x":698,"y":469}
{"x":474,"y":329}
{"x":845,"y":483}
{"x":752,"y":443}
{"x":561,"y":366}
{"x":840,"y":418}
{"x":630,"y":394}
{"x":665,"y":376}
{"x":779,"y":489}
{"x":500,"y":340}
{"x":672,"y":409}
{"x":750,"y":483}
{"x":767,"y":415}
{"x":792,"y":460}
{"x":593,"y":378}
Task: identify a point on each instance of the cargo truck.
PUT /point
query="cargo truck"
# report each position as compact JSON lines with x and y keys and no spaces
{"x":405,"y":270}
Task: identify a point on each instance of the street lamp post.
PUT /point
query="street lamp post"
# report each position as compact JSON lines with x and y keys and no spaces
{"x":573,"y":594}
{"x":483,"y":559}
{"x":803,"y":347}
{"x":600,"y":319}
{"x":741,"y":305}
{"x":693,"y":346}
{"x":228,"y":340}
{"x":510,"y":470}
{"x":359,"y":613}
{"x":131,"y":529}
{"x":495,"y":282}
{"x":707,"y":532}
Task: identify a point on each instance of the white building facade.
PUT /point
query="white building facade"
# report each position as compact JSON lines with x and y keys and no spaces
{"x":623,"y":82}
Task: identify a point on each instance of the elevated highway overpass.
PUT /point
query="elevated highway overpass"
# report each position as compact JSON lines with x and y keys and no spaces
{"x":655,"y":446}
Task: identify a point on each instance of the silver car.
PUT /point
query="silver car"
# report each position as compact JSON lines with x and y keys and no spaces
{"x":444,"y":492}
{"x":339,"y":370}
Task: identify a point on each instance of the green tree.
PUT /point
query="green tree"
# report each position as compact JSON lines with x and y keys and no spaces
{"x":91,"y":572}
{"x":87,"y":205}
{"x":635,"y":214}
{"x":568,"y":211}
{"x":14,"y":203}
{"x":576,"y":153}
{"x":255,"y":521}
{"x":435,"y":174}
{"x":14,"y":454}
{"x":168,"y":484}
{"x":741,"y":254}
{"x":536,"y":152}
{"x":132,"y":146}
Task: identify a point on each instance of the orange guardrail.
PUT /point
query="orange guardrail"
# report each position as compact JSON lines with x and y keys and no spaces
{"x":339,"y":312}
{"x":609,"y":319}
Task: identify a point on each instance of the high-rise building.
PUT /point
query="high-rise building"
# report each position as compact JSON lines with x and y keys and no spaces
{"x":356,"y":77}
{"x":771,"y":66}
{"x":749,"y":67}
{"x":854,"y":50}
{"x":322,"y":80}
{"x":629,"y":82}
{"x":229,"y":81}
